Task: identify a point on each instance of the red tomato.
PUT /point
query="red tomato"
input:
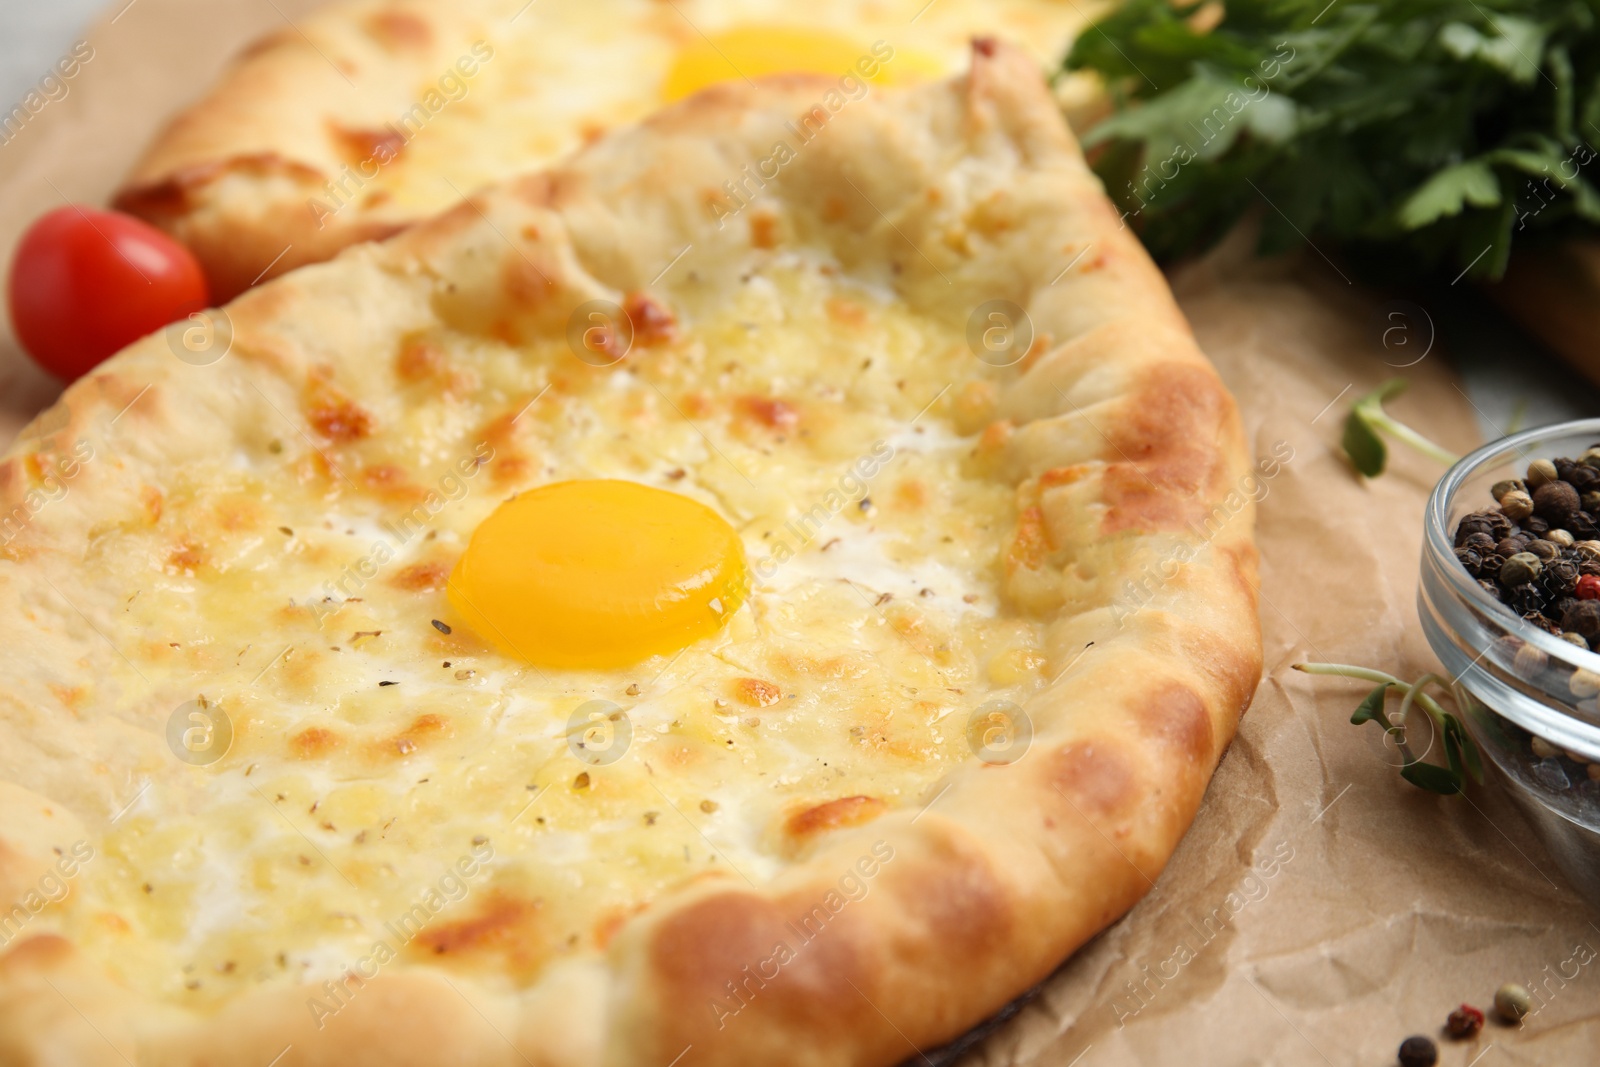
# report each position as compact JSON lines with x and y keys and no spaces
{"x":87,"y":283}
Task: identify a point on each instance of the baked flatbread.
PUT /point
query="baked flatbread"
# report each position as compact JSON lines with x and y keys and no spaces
{"x":271,"y":798}
{"x":374,"y":114}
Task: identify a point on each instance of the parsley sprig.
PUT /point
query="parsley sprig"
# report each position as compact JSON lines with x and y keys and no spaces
{"x":1409,"y":133}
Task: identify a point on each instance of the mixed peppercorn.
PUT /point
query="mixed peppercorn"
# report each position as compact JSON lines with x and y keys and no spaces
{"x":1511,"y":1002}
{"x":1538,"y":551}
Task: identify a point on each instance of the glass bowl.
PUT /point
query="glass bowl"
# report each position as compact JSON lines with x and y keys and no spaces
{"x":1528,"y":698}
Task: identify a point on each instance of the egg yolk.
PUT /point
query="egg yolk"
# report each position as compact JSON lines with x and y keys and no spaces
{"x":751,"y":51}
{"x":598,"y":574}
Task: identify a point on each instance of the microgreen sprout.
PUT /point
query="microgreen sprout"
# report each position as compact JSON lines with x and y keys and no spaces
{"x":1461,"y":754}
{"x":1367,"y":422}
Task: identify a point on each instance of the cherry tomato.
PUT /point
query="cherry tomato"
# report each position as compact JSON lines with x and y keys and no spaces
{"x":86,"y":283}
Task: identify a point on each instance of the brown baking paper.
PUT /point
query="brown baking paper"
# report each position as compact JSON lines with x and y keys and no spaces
{"x":1320,"y":909}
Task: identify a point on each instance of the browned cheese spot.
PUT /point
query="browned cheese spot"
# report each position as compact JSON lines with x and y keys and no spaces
{"x":763,"y":230}
{"x":911,"y":494}
{"x":653,"y":323}
{"x":423,"y":576}
{"x":834,"y":815}
{"x":504,"y":927}
{"x":313,"y":742}
{"x":366,"y":148}
{"x":1030,"y":545}
{"x":186,"y":557}
{"x":391,"y":482}
{"x":511,"y":463}
{"x":424,"y":728}
{"x":420,"y":360}
{"x":774,"y":414}
{"x":846,"y":312}
{"x":995,"y":437}
{"x":398,"y":30}
{"x":755,"y":692}
{"x":332,"y":414}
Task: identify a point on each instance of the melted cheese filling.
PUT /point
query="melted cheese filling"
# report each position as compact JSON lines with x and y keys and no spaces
{"x":377,"y":754}
{"x":549,"y":78}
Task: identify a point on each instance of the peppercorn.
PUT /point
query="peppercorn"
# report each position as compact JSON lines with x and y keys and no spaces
{"x":1545,"y":550}
{"x":1583,"y":618}
{"x":1575,"y":639}
{"x":1512,"y":1002}
{"x":1500,"y":489}
{"x":1584,"y":683}
{"x":1590,"y":458}
{"x":1520,"y":568}
{"x":1517,"y":505}
{"x":1529,"y":660}
{"x":1476,"y":523}
{"x":1418,"y":1051}
{"x":1588,"y":588}
{"x":1555,"y":502}
{"x":1537,"y":617}
{"x":1560,"y":575}
{"x":1531,"y":552}
{"x":1464,"y":1022}
{"x":1590,"y":501}
{"x":1525,"y":599}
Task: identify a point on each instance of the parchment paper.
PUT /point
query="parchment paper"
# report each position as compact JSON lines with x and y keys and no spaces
{"x":1320,"y":910}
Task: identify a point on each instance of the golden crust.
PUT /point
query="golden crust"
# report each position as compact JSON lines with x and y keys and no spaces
{"x":1123,"y":447}
{"x":335,"y":132}
{"x":235,"y":176}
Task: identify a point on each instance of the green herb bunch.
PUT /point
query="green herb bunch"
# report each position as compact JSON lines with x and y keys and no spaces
{"x":1413,"y":133}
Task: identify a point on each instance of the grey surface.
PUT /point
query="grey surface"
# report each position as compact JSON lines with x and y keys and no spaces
{"x":33,"y":35}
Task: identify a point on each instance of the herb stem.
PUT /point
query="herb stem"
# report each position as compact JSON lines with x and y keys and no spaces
{"x":1345,"y":670}
{"x":1415,"y":693}
{"x":1395,"y":427}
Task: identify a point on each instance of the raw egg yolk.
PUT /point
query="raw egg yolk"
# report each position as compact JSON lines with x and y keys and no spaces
{"x":751,"y":51}
{"x":598,"y":574}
